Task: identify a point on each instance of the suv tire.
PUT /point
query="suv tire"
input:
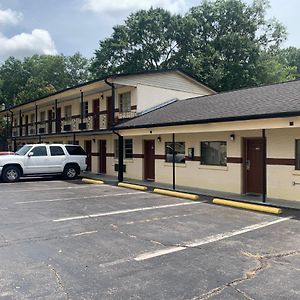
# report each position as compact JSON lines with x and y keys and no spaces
{"x":11,"y":174}
{"x":70,"y":172}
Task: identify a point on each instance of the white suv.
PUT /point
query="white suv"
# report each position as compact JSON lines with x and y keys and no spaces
{"x":43,"y":159}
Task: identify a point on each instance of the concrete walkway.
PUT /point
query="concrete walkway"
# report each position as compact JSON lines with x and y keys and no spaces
{"x":207,"y":195}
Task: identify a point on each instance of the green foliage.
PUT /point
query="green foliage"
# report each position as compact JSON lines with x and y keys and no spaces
{"x":222,"y":42}
{"x":40,"y":75}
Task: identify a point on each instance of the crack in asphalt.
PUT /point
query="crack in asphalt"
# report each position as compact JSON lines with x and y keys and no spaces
{"x":263,"y":263}
{"x":59,"y":282}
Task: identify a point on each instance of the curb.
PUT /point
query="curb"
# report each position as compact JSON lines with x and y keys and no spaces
{"x":256,"y":207}
{"x":132,"y":186}
{"x":93,"y":181}
{"x":176,"y":194}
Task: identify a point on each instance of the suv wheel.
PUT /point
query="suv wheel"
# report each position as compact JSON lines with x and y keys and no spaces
{"x":70,"y":172}
{"x":11,"y":174}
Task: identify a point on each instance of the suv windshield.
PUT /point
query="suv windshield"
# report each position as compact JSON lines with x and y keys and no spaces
{"x":23,"y":150}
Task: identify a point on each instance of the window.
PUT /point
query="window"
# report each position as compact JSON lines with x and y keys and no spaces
{"x":297,"y":154}
{"x":124,"y":102}
{"x":39,"y":151}
{"x":85,"y":109}
{"x":214,"y":153}
{"x":75,"y":150}
{"x":56,"y":151}
{"x":42,"y":117}
{"x":68,"y":112}
{"x":127,"y":150}
{"x":23,"y":150}
{"x":179,"y":152}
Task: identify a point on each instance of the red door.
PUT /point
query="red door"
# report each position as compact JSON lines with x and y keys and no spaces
{"x":102,"y":156}
{"x":109,"y":111}
{"x":96,"y":107}
{"x":88,"y":150}
{"x":149,"y":160}
{"x":49,"y":121}
{"x":254,"y":166}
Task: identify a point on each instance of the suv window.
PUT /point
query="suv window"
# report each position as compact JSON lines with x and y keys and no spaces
{"x":39,"y":151}
{"x":75,"y":150}
{"x":56,"y":151}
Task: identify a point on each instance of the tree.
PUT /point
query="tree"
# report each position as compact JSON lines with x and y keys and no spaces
{"x":290,"y":57}
{"x":219,"y":42}
{"x":147,"y":41}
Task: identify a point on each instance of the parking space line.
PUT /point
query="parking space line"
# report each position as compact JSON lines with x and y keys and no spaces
{"x":59,"y":188}
{"x":84,"y":233}
{"x":77,"y":198}
{"x":125,"y":211}
{"x":208,"y":240}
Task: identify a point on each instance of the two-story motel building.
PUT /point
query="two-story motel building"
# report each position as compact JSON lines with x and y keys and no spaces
{"x":242,"y":142}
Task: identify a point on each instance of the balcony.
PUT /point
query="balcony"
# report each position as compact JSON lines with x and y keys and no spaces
{"x":71,"y":124}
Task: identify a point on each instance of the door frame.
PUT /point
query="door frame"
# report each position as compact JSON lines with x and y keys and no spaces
{"x":145,"y":159}
{"x":263,"y":183}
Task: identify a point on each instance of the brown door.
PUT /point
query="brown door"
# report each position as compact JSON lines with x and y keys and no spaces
{"x":58,"y":120}
{"x":26,"y":126}
{"x":253,"y":166}
{"x":149,"y":160}
{"x":96,"y":107}
{"x":102,"y":156}
{"x":88,"y":150}
{"x":49,"y":121}
{"x":109,"y":111}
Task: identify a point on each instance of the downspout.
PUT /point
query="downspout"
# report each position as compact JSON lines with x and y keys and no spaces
{"x":36,"y":120}
{"x":11,"y":129}
{"x":264,"y":166}
{"x":113,"y":96}
{"x":56,"y":120}
{"x":81,"y":110}
{"x":173,"y":161}
{"x":120,"y":156}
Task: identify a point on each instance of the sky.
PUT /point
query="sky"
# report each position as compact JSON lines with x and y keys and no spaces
{"x":30,"y":27}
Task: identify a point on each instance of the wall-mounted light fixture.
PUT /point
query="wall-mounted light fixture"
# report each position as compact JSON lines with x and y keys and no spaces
{"x":94,"y":140}
{"x":232,"y":137}
{"x":159,"y":139}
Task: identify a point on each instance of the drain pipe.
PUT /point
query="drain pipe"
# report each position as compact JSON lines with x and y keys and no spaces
{"x":113,"y":98}
{"x":120,"y":156}
{"x":11,"y":129}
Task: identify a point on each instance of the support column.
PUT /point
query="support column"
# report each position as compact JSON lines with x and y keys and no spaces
{"x":56,"y":120}
{"x":173,"y":162}
{"x":81,"y":110}
{"x":120,"y":161}
{"x":36,"y":119}
{"x":264,"y":165}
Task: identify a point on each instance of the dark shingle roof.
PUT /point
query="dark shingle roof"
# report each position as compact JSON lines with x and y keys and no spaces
{"x":276,"y":100}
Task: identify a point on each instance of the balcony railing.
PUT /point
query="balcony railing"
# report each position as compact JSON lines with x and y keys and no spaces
{"x":71,"y":124}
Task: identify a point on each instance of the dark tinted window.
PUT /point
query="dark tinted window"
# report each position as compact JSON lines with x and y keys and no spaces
{"x":56,"y":150}
{"x":214,"y":153}
{"x":39,"y":151}
{"x":75,"y":150}
{"x":179,"y":152}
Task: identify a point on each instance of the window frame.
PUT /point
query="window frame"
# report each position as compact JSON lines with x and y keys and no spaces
{"x":182,"y":161}
{"x":116,"y":149}
{"x":202,"y":163}
{"x":124,"y":107}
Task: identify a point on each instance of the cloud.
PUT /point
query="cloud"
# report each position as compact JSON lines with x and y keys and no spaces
{"x":9,"y":16}
{"x":21,"y":45}
{"x":106,"y":6}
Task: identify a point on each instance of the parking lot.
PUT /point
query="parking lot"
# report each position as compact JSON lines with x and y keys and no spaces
{"x":70,"y":240}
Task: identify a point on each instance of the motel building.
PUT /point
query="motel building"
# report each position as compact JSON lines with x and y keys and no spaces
{"x":168,"y":128}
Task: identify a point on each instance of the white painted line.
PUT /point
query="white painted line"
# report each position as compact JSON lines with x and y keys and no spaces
{"x":77,"y":198}
{"x":208,"y":240}
{"x":60,"y":188}
{"x":84,"y":233}
{"x":125,"y":211}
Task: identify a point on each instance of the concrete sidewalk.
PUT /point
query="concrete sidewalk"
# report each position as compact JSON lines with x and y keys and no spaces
{"x":207,"y":195}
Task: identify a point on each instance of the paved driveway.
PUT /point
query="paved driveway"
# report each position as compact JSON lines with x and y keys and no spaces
{"x":69,"y":240}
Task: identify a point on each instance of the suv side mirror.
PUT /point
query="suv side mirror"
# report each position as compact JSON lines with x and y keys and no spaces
{"x":30,"y":154}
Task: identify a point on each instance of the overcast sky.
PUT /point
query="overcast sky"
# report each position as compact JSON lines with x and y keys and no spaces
{"x":68,"y":26}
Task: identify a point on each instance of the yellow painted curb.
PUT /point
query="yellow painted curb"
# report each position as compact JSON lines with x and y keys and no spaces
{"x":267,"y":209}
{"x":176,"y":194}
{"x":88,"y":180}
{"x":132,"y":186}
